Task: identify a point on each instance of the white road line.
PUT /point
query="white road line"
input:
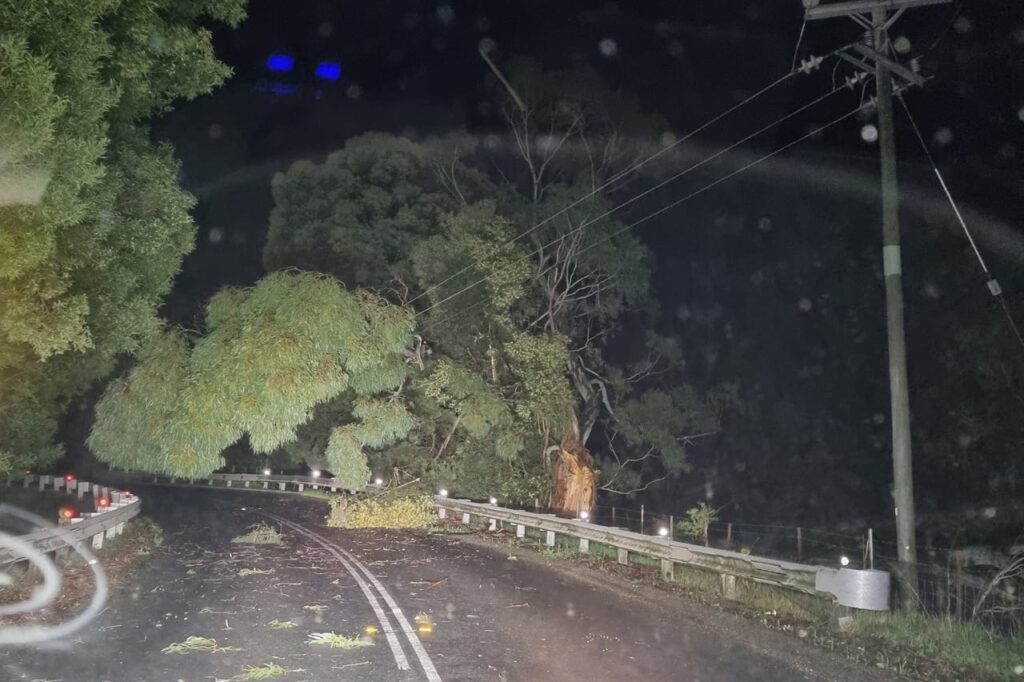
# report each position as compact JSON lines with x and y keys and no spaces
{"x":385,"y":624}
{"x":410,"y":633}
{"x":403,"y":623}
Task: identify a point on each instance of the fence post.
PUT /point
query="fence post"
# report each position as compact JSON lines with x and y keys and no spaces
{"x":613,"y":517}
{"x":871,"y":548}
{"x":671,"y":527}
{"x":728,"y":534}
{"x":799,"y":543}
{"x":641,"y":519}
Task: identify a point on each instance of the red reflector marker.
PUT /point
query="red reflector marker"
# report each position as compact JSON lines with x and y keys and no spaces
{"x":66,"y":513}
{"x":69,"y":477}
{"x":104,"y":502}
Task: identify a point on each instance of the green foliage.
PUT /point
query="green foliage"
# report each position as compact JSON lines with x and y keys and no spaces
{"x":382,"y":512}
{"x":333,"y":640}
{"x":266,"y":671}
{"x":470,"y":397}
{"x":282,"y":624}
{"x":359,"y":212}
{"x":946,"y":640}
{"x":272,"y":354}
{"x":192,"y":644}
{"x":93,"y":225}
{"x":540,"y":362}
{"x":697,"y":521}
{"x":259,"y":534}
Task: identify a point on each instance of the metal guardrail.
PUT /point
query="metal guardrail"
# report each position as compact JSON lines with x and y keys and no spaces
{"x":107,"y":522}
{"x":854,"y":588}
{"x":264,"y":481}
{"x":859,"y":589}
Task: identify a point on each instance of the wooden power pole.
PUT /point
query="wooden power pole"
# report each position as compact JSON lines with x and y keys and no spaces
{"x":876,"y":16}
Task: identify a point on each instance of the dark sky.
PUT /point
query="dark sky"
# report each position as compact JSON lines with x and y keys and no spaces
{"x":413,"y":68}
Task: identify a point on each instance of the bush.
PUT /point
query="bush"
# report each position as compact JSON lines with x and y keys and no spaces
{"x":375,"y":512}
{"x":697,"y":521}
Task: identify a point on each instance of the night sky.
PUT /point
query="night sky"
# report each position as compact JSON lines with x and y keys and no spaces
{"x":413,"y":68}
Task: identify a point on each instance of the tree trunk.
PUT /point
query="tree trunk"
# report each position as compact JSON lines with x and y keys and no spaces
{"x":575,"y":479}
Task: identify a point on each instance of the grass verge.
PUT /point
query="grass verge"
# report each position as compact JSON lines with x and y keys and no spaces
{"x":979,"y":654}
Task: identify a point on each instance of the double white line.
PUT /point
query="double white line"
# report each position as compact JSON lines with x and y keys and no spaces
{"x":357,"y":570}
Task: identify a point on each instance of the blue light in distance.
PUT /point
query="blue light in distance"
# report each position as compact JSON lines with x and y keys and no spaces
{"x":329,"y":71}
{"x":280,"y":62}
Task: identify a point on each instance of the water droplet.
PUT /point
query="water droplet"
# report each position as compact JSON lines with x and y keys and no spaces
{"x":869,"y":133}
{"x":902,"y":45}
{"x":667,"y":139}
{"x":354,"y":91}
{"x":675,"y":48}
{"x":942,"y":137}
{"x":805,"y":305}
{"x":963,"y":25}
{"x":487,"y":45}
{"x":764,"y":223}
{"x":608,"y":47}
{"x":216,"y":131}
{"x":325,"y":29}
{"x":445,"y":14}
{"x":216,"y":235}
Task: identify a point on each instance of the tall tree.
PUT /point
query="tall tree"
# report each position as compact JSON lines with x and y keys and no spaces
{"x":93,"y":225}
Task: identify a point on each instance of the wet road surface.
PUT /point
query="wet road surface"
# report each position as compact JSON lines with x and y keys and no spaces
{"x":433,"y":606}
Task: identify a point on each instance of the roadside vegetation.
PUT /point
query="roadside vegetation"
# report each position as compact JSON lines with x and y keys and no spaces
{"x":259,"y":534}
{"x":913,"y":645}
{"x":414,"y":511}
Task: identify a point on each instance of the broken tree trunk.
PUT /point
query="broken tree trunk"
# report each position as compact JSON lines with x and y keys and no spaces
{"x":575,"y":480}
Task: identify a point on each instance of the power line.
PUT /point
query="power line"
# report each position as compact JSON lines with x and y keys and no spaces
{"x":806,"y":68}
{"x":673,"y":204}
{"x":637,"y":197}
{"x":993,"y":284}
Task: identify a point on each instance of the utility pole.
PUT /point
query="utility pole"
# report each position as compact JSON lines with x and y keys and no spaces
{"x":883,"y":13}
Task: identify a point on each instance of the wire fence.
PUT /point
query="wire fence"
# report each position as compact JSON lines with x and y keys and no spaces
{"x":968,"y":587}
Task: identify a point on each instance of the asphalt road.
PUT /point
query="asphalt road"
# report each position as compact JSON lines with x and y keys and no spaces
{"x":434,"y":607}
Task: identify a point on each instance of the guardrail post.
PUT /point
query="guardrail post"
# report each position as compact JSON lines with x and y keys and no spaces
{"x":799,"y":543}
{"x":246,"y":483}
{"x":465,"y":517}
{"x":82,"y":488}
{"x":228,"y":482}
{"x":520,"y":531}
{"x":492,"y":524}
{"x":280,"y":485}
{"x":209,"y":482}
{"x":728,"y":534}
{"x":584,"y":546}
{"x":442,"y":512}
{"x":302,"y":486}
{"x":668,"y":570}
{"x":550,"y":538}
{"x":97,"y":541}
{"x":729,"y":586}
{"x":266,"y":484}
{"x":623,"y":556}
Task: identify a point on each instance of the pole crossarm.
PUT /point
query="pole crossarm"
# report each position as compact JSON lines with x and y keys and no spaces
{"x":854,"y":7}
